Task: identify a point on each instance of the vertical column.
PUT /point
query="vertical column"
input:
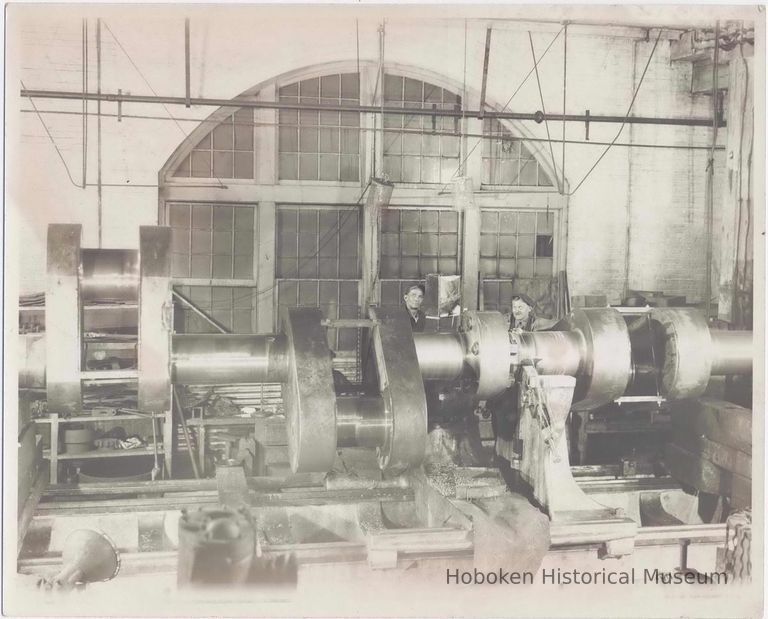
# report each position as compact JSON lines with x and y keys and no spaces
{"x":370,"y":166}
{"x":63,"y":319}
{"x":464,"y":202}
{"x":473,"y":151}
{"x":267,"y":173}
{"x":735,"y":285}
{"x":265,"y":139}
{"x":370,"y":154}
{"x":264,"y":255}
{"x":54,"y":473}
{"x":472,"y":154}
{"x":379,"y":196}
{"x":154,"y":347}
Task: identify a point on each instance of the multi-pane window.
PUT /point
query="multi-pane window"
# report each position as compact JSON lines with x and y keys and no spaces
{"x":320,"y":145}
{"x":211,"y":240}
{"x":317,"y":243}
{"x":507,"y":161}
{"x":226,"y":152}
{"x":415,"y":243}
{"x":336,"y":299}
{"x":416,"y":147}
{"x":516,"y":244}
{"x":516,"y":253}
{"x":232,"y":307}
{"x":318,"y":264}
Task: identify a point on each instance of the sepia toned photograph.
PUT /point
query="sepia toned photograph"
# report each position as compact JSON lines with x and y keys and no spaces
{"x":383,"y":310}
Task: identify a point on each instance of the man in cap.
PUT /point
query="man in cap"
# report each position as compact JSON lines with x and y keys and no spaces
{"x":414,"y":297}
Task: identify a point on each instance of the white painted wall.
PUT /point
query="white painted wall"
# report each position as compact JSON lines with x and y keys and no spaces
{"x":660,"y":193}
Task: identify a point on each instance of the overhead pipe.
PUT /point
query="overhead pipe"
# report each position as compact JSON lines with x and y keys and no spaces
{"x":537,"y":116}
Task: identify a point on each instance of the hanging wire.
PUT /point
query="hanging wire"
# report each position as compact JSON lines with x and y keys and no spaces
{"x":146,"y":81}
{"x":514,"y":93}
{"x":544,"y":111}
{"x":50,"y":137}
{"x":624,"y":122}
{"x":565,"y":90}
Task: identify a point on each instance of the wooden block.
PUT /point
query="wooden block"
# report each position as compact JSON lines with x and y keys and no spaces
{"x":722,"y":422}
{"x":232,"y":486}
{"x":705,"y":476}
{"x":725,"y":457}
{"x":741,"y":492}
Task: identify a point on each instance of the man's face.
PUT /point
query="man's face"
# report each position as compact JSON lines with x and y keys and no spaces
{"x":414,"y":299}
{"x":520,"y":309}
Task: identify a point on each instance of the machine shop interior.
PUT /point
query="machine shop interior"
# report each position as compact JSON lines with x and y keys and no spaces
{"x":365,"y":295}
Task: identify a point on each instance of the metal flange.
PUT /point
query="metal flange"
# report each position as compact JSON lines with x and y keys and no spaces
{"x":308,"y":394}
{"x":487,"y":350}
{"x":606,"y":356}
{"x":401,"y":388}
{"x":686,"y":349}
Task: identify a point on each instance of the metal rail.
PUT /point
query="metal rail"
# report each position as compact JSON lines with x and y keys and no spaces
{"x":457,"y":112}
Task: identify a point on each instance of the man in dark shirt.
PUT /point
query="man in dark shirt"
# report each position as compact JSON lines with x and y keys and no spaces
{"x":413,"y":298}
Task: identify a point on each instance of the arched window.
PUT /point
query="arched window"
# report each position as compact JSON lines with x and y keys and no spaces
{"x":226,"y":152}
{"x":507,"y":160}
{"x":285,"y":226}
{"x":420,"y":148}
{"x":320,"y":145}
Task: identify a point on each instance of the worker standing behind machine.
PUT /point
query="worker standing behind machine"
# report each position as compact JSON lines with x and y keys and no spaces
{"x":503,"y":407}
{"x":413,"y":298}
{"x":523,"y":316}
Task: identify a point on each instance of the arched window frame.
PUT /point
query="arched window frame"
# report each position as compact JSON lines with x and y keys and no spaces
{"x":266,"y":192}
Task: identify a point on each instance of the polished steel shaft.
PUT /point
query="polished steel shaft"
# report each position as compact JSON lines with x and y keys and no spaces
{"x":360,"y":421}
{"x":441,"y":355}
{"x":552,"y":352}
{"x":210,"y":359}
{"x":732,"y":352}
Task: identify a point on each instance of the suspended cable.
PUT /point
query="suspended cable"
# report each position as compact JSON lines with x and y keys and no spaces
{"x":525,"y":79}
{"x":50,"y":137}
{"x":543,"y":109}
{"x":85,"y":101}
{"x":565,"y":90}
{"x":626,"y":116}
{"x":146,"y":81}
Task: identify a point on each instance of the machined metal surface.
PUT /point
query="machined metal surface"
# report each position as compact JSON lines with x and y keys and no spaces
{"x":110,"y":274}
{"x":685,"y":352}
{"x":401,"y":388}
{"x":487,"y":350}
{"x":732,"y":352}
{"x":63,"y":324}
{"x":308,"y":394}
{"x":441,"y":355}
{"x":210,"y":359}
{"x":361,"y":421}
{"x":154,"y":349}
{"x":606,"y":361}
{"x":551,"y":352}
{"x":32,"y":361}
